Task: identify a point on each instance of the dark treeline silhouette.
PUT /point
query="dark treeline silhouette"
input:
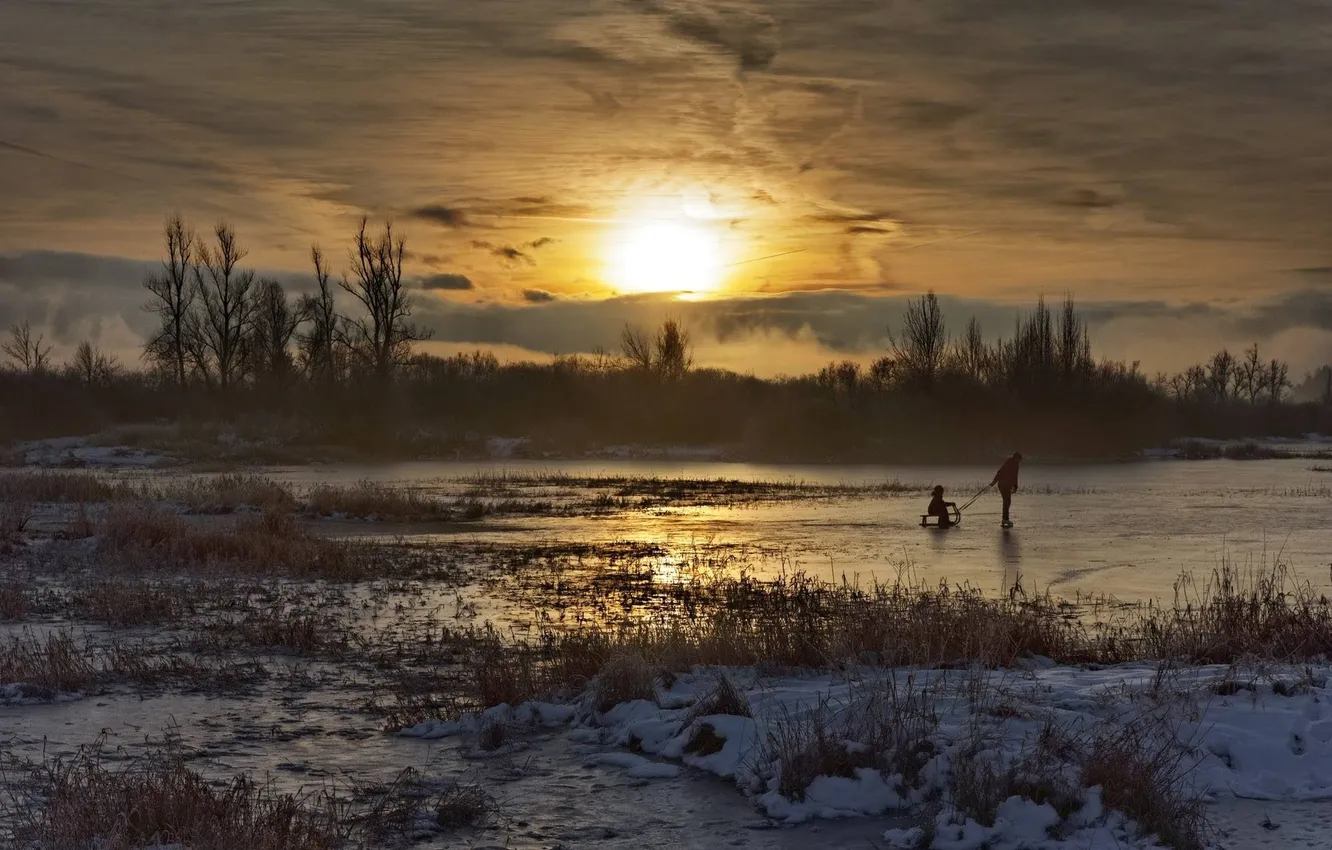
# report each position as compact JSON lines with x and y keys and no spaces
{"x":324,"y":371}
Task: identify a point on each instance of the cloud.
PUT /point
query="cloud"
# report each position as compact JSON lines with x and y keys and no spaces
{"x":446,"y":282}
{"x":1090,"y":199}
{"x":849,"y":217}
{"x":748,"y":35}
{"x":510,"y":254}
{"x":851,"y":324}
{"x":447,"y":216}
{"x":869,"y":230}
{"x":70,"y":297}
{"x":489,"y":212}
{"x":515,"y":254}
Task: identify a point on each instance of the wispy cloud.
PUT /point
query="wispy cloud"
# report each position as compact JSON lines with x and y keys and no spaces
{"x":523,"y":254}
{"x":447,"y":282}
{"x":447,"y":216}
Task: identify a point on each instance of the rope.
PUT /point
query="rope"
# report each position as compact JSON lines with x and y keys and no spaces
{"x":975,"y":497}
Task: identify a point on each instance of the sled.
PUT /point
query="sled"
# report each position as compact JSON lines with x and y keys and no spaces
{"x":931,"y":521}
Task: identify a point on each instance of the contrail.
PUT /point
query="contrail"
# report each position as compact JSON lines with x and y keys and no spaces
{"x":943,"y":239}
{"x":769,"y":257}
{"x":24,"y":149}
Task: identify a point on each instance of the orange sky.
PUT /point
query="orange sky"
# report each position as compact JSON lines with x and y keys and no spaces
{"x":1173,"y":153}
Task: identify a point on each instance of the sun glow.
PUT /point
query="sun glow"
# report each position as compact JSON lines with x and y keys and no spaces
{"x":666,"y":255}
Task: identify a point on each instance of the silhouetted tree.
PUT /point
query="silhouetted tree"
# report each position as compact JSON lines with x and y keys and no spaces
{"x":637,"y":350}
{"x":973,"y":356}
{"x":92,"y":366}
{"x":842,"y":381}
{"x":221,"y":325}
{"x":1250,"y":376}
{"x":1073,"y":344}
{"x":924,"y":341}
{"x":274,"y":325}
{"x":173,"y":294}
{"x":674,"y":351}
{"x":27,"y":352}
{"x":1277,"y":380}
{"x":316,"y":346}
{"x":1221,"y":375}
{"x":383,"y":336}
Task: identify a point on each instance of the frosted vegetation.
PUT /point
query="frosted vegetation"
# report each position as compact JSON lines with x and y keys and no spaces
{"x":268,"y":673}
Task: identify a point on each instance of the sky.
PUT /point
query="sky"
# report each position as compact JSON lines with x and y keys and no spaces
{"x":800,"y":167}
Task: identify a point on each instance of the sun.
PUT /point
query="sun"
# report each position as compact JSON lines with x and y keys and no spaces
{"x":666,"y":255}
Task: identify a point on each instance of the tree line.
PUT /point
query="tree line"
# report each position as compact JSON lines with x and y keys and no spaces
{"x":341,"y":364}
{"x":1049,"y":356}
{"x":219,"y":325}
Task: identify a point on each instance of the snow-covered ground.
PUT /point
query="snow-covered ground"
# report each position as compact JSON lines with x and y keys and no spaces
{"x":1239,"y":736}
{"x":1255,"y":744}
{"x":78,"y":453}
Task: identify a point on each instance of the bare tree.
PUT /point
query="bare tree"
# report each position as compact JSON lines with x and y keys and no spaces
{"x":173,"y":294}
{"x":636,"y":349}
{"x":26,"y":351}
{"x":883,"y":373}
{"x":1276,"y":380}
{"x":1221,"y":375}
{"x":316,"y":346}
{"x":842,"y":380}
{"x":274,"y":326}
{"x":92,"y":366}
{"x":383,"y":336}
{"x":1250,"y":375}
{"x":220,"y":327}
{"x":972,"y":355}
{"x":674,"y":351}
{"x":924,"y":340}
{"x":1072,"y":343}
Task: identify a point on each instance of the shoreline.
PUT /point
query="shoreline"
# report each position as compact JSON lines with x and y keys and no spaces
{"x":101,"y":451}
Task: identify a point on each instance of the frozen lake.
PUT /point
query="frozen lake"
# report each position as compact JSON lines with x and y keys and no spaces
{"x":1124,"y":529}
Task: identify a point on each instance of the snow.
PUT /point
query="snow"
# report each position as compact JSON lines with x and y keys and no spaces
{"x":1263,"y":742}
{"x":22,"y":693}
{"x":75,"y":452}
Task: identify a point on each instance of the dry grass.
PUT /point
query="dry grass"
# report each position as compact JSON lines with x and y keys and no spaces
{"x":270,"y":544}
{"x":1259,"y":613}
{"x":17,"y":601}
{"x":625,"y":678}
{"x":279,"y":628}
{"x":48,"y":486}
{"x":400,"y":809}
{"x":797,"y":622}
{"x":461,"y":805}
{"x":14,"y":518}
{"x":724,"y":699}
{"x":809,"y":746}
{"x":368,"y":500}
{"x":158,"y":800}
{"x":1142,"y":771}
{"x":222,"y":494}
{"x":128,"y":603}
{"x":892,"y":724}
{"x":47,"y":665}
{"x":44,"y":666}
{"x":981,"y":783}
{"x":415,"y":698}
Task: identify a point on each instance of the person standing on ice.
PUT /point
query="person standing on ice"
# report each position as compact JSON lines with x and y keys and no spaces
{"x":1007,"y":480}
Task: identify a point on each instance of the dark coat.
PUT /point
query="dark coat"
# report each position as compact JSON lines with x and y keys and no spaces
{"x":1007,"y":476}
